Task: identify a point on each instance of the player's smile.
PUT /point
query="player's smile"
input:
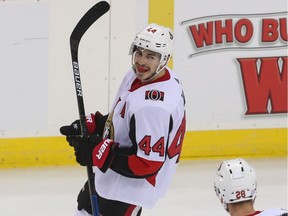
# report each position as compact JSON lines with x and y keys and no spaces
{"x":142,"y":69}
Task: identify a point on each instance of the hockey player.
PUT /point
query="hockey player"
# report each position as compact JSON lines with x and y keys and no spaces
{"x":236,"y":187}
{"x":134,"y":150}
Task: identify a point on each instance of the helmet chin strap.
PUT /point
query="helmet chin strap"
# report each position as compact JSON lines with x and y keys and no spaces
{"x":159,"y":68}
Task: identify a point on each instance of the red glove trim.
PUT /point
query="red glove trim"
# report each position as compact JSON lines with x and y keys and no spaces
{"x":90,"y":123}
{"x":101,"y":152}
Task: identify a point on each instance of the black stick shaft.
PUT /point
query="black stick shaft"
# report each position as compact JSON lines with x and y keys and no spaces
{"x":82,"y":26}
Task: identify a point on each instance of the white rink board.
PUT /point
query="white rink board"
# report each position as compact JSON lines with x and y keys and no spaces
{"x":37,"y":87}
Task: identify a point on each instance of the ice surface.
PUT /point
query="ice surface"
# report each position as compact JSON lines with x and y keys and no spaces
{"x":53,"y":190}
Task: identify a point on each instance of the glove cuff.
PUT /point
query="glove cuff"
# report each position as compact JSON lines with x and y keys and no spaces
{"x":103,"y":155}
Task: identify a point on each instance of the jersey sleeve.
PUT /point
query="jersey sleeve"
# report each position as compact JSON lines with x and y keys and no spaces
{"x":149,"y":131}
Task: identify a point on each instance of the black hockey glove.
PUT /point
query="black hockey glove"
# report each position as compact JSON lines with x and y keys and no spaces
{"x":100,"y":121}
{"x":83,"y":147}
{"x":95,"y":124}
{"x":83,"y":199}
{"x":91,"y":150}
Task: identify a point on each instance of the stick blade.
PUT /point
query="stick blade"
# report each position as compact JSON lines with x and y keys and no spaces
{"x":88,"y":19}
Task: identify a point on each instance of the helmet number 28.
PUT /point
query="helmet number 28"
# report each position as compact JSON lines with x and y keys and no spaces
{"x":240,"y":194}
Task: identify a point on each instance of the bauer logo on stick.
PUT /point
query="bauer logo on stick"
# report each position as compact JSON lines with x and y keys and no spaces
{"x":77,"y":79}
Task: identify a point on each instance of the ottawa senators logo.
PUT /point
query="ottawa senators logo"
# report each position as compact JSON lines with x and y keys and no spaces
{"x":154,"y":95}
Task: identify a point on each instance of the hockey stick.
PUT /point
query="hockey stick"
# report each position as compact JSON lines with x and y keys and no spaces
{"x":82,"y":26}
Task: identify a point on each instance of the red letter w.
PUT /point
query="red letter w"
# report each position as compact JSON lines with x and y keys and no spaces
{"x":263,"y":83}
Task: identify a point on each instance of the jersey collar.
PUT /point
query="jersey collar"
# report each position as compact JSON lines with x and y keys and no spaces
{"x":255,"y":213}
{"x":137,"y":83}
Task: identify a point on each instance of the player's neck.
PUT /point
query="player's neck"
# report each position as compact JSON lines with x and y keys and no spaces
{"x":241,"y":209}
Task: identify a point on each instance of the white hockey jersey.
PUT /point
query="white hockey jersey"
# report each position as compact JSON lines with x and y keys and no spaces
{"x":153,"y":117}
{"x":273,"y":212}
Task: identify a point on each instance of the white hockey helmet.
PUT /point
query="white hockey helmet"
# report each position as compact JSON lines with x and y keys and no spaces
{"x":156,"y":38}
{"x":235,"y":181}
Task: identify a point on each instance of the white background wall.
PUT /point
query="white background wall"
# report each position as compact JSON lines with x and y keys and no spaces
{"x":37,"y":88}
{"x":24,"y":66}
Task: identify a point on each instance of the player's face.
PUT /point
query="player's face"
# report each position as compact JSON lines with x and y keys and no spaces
{"x":146,"y":63}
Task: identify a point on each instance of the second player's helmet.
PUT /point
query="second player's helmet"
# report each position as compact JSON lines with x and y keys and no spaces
{"x":235,"y":181}
{"x":156,"y":38}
